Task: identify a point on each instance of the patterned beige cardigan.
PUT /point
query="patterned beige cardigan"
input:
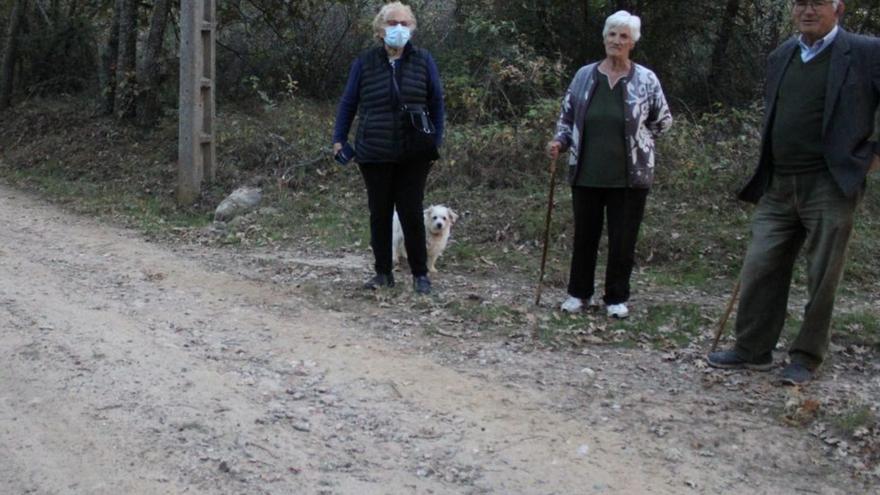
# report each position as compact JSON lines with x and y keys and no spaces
{"x":646,"y":116}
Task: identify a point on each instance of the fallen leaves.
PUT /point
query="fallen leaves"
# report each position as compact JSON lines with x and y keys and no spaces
{"x":801,"y":411}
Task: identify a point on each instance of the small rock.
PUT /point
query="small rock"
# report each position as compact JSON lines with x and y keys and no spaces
{"x":242,"y":200}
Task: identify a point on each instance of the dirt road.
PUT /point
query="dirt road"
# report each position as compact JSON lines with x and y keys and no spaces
{"x":134,"y":368}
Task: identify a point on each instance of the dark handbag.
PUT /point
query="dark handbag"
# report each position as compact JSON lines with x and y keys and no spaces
{"x":420,"y":136}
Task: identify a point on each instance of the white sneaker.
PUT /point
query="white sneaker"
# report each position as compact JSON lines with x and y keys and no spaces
{"x":572,"y":305}
{"x":617,"y":310}
{"x":576,"y":304}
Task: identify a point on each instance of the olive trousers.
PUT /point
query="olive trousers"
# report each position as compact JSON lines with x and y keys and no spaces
{"x":806,"y":211}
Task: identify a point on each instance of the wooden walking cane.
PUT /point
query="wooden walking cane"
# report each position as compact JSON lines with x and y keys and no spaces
{"x":546,"y":230}
{"x":725,"y":316}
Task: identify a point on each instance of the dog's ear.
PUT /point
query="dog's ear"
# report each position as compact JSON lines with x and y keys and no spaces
{"x":454,"y":215}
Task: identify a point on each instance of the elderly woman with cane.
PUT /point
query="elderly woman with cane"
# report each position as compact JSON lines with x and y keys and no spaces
{"x":613,"y":110}
{"x":395,"y":90}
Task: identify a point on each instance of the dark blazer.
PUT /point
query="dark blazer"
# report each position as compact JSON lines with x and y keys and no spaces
{"x":851,"y":98}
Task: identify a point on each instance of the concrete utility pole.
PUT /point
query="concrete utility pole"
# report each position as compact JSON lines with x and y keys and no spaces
{"x":197,"y":147}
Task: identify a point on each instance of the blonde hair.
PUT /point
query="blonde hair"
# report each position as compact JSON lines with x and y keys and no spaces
{"x":382,"y":16}
{"x":622,"y":18}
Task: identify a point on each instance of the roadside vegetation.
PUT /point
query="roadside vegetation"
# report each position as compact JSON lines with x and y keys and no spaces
{"x":496,"y":177}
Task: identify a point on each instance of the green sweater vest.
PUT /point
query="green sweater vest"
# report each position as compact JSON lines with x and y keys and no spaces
{"x":797,"y":123}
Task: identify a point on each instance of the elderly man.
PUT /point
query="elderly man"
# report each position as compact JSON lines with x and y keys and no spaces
{"x":822,"y":93}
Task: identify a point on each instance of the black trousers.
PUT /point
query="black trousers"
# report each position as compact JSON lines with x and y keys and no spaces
{"x":624,"y":208}
{"x":400,"y":185}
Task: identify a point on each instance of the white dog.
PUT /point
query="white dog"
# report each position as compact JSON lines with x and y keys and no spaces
{"x":438,"y":223}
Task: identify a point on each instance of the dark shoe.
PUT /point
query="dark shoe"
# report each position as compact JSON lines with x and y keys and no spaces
{"x":730,"y":360}
{"x":380,"y":280}
{"x":796,"y":374}
{"x":422,"y":284}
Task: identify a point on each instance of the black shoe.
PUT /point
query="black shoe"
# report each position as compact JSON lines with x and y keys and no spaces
{"x":422,"y":284}
{"x":796,"y":374}
{"x":380,"y":280}
{"x":730,"y":360}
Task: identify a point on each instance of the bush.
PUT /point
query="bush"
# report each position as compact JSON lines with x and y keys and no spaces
{"x":503,"y":153}
{"x":59,"y":57}
{"x":493,"y":74}
{"x":710,"y":153}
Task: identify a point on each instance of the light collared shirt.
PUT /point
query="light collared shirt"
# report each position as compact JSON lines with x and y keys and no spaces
{"x":809,"y":52}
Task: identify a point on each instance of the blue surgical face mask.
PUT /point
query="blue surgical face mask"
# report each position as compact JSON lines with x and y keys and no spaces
{"x":397,"y":36}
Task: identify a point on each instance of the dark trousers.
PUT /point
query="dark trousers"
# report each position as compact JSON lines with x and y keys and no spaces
{"x":400,"y":185}
{"x":798,"y":211}
{"x":624,"y":208}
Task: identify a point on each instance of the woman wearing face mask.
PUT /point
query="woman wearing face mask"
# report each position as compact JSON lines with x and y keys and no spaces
{"x":383,"y":83}
{"x":610,"y":116}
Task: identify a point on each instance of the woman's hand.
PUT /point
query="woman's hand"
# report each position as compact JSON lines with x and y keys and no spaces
{"x":336,"y":148}
{"x":553,"y":148}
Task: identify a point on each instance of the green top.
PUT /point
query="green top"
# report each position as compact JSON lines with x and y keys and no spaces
{"x":797,"y":123}
{"x":604,"y":146}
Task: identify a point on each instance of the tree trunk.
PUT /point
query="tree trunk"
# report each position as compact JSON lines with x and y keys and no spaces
{"x":126,"y":66}
{"x":585,"y":19}
{"x":7,"y":69}
{"x":728,"y":21}
{"x":109,"y":57}
{"x":778,"y":20}
{"x":584,"y":41}
{"x":148,"y":108}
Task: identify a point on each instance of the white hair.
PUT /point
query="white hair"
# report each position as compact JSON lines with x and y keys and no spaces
{"x":382,"y":16}
{"x":834,"y":3}
{"x":622,"y":18}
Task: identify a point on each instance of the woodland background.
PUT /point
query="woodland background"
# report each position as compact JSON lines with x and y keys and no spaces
{"x":498,"y":58}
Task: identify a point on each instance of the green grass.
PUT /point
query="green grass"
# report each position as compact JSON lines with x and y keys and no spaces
{"x":662,"y":326}
{"x":463,"y":253}
{"x":698,"y":274}
{"x":322,"y":217}
{"x":659,"y":326}
{"x":481,"y":315}
{"x":848,"y":328}
{"x":861,"y":328}
{"x":855,"y":417}
{"x":152,"y":214}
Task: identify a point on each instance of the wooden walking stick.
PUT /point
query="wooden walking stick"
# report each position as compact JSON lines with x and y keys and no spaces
{"x":546,"y":230}
{"x":725,"y":316}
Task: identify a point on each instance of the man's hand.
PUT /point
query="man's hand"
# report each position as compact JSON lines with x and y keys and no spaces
{"x":336,"y":148}
{"x":875,"y":164}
